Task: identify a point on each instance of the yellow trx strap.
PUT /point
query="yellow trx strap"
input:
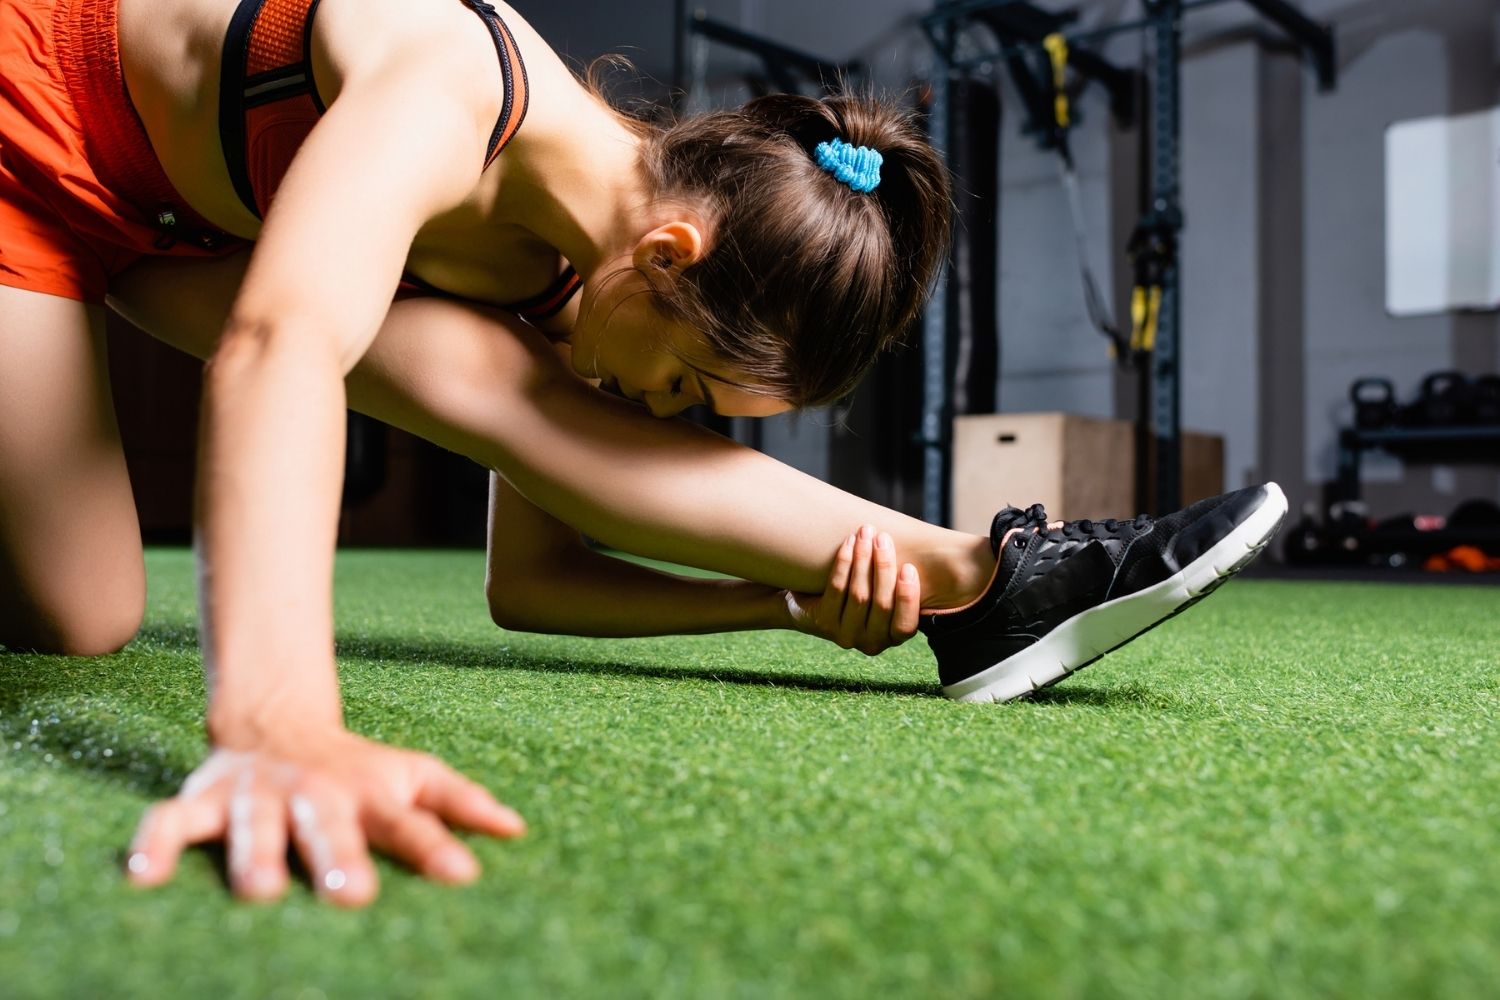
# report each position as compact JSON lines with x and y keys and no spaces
{"x":1057,"y":48}
{"x":1145,"y":311}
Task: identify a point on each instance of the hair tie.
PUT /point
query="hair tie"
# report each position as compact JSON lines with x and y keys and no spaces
{"x":856,"y":166}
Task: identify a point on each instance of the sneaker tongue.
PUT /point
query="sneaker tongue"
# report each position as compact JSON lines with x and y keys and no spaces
{"x":1010,"y":556}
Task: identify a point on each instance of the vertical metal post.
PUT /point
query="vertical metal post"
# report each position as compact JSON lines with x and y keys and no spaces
{"x":1166,"y":360}
{"x":679,"y":55}
{"x":937,"y":422}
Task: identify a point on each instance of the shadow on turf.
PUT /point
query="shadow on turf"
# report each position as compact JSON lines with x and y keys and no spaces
{"x":154,"y":771}
{"x":1124,"y":696}
{"x":404,"y":651}
{"x":142,"y":766}
{"x":418,"y":654}
{"x":400,"y":650}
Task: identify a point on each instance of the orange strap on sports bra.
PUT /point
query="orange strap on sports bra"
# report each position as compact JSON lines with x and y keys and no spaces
{"x":268,"y":98}
{"x":268,"y":103}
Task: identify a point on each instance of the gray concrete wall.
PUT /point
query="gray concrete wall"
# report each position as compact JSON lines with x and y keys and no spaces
{"x":1220,"y":260}
{"x":1283,"y":191}
{"x":1400,"y":60}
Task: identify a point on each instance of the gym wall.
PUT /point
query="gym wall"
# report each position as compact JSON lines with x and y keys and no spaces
{"x":1283,"y":190}
{"x":1283,"y":262}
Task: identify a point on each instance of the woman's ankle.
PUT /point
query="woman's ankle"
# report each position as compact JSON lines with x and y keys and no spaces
{"x":956,"y":575}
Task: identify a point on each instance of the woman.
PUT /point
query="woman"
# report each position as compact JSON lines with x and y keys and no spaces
{"x":753,"y":261}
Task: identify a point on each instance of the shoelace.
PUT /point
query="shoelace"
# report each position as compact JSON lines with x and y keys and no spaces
{"x":1015,"y":517}
{"x":1108,"y":527}
{"x":1034,"y":516}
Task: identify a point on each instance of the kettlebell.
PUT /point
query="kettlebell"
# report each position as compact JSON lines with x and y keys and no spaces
{"x":1444,"y":400}
{"x":1487,"y":399}
{"x":1374,"y":400}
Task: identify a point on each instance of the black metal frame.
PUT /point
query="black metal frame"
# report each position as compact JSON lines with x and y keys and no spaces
{"x":1163,"y":21}
{"x":1475,"y":443}
{"x":782,"y":63}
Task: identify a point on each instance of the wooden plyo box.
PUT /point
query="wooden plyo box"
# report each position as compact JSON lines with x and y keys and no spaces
{"x":1075,"y":466}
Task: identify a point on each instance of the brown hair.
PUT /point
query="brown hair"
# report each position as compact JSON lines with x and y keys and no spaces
{"x":804,"y":282}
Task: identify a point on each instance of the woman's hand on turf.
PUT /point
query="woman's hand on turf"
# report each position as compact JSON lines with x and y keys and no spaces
{"x":871,"y":602}
{"x":332,"y":795}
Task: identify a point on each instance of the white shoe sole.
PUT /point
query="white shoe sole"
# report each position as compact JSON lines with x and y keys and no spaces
{"x":1090,"y":634}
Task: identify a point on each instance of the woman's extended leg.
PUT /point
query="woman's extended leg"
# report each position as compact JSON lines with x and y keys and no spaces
{"x":71,"y":574}
{"x":490,"y":388}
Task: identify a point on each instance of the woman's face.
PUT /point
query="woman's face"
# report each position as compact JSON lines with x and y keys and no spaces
{"x":622,"y":340}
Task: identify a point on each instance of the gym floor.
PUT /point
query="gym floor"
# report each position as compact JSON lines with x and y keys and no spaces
{"x":1233,"y":806}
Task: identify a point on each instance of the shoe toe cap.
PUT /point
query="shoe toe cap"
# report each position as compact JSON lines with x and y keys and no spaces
{"x":1205,"y":523}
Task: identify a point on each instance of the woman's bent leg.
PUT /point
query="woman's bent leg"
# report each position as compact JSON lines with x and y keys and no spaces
{"x":72,"y":579}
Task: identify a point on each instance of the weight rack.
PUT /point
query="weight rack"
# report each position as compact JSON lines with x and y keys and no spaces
{"x":1162,"y":23}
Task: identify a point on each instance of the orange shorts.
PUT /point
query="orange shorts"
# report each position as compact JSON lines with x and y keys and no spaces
{"x":82,"y":195}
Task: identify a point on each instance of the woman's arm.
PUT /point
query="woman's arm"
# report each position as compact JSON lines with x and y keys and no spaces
{"x":403,"y":142}
{"x":271,"y":446}
{"x":541,"y":577}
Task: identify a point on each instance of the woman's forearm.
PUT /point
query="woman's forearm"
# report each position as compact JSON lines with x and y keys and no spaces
{"x":593,"y":594}
{"x":270,"y":463}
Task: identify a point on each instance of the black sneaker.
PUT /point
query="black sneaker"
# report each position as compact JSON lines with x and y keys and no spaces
{"x":1061,"y":598}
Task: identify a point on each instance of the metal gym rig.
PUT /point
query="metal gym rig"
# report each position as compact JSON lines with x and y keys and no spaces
{"x":1026,"y":34}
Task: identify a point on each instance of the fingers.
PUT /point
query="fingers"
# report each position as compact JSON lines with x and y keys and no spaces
{"x":256,"y":841}
{"x":882,"y":595}
{"x":332,"y":845}
{"x":465,"y":803}
{"x":907,"y":612}
{"x":422,"y":841}
{"x":856,"y":610}
{"x":256,"y":801}
{"x":165,"y":830}
{"x":838,"y":579}
{"x":859,"y":571}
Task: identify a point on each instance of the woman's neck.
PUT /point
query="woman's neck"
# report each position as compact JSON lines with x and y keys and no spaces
{"x":579,"y":189}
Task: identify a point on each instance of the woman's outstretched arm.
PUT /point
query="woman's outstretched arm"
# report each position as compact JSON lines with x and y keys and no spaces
{"x":482,"y":384}
{"x":542,"y":578}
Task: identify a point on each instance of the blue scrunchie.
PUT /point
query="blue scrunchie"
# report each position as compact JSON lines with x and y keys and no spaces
{"x":856,"y":166}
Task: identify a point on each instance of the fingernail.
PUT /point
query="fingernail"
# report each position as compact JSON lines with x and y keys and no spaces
{"x":908,"y":573}
{"x":138,"y":863}
{"x":262,"y":882}
{"x":455,"y":864}
{"x":334,"y":879}
{"x":514,"y":819}
{"x":865,"y":532}
{"x":883,"y":542}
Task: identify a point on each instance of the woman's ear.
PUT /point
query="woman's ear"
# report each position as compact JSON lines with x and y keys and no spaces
{"x":672,"y":245}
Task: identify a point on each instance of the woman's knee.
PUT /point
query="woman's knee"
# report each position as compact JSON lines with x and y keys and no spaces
{"x":99,"y":633}
{"x":85,"y":618}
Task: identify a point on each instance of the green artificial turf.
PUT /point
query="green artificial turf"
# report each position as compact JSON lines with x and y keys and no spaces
{"x":1294,"y":790}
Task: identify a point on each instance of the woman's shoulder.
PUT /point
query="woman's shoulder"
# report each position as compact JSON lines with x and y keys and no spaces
{"x":355,"y":37}
{"x":490,"y":51}
{"x":362,"y":33}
